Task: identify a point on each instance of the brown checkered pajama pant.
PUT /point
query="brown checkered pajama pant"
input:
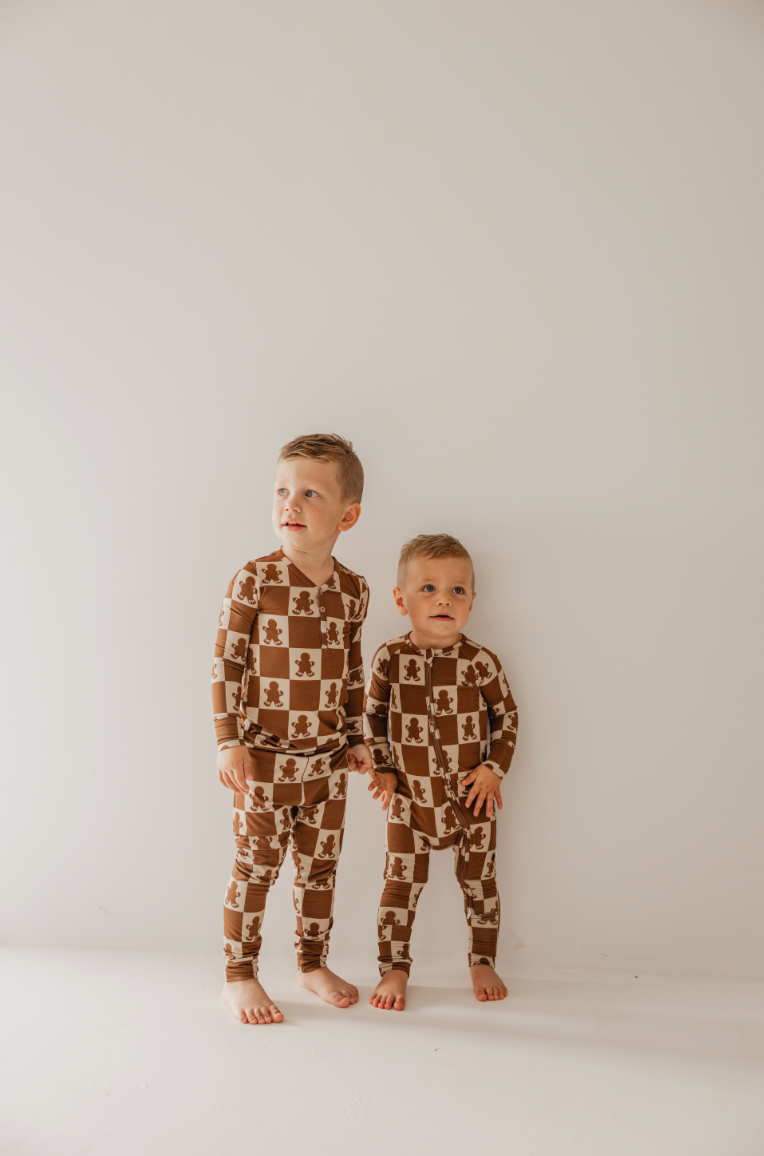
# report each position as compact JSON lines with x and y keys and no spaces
{"x":406,"y":869}
{"x":295,"y":798}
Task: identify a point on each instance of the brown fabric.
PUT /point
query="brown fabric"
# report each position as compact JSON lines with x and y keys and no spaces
{"x":431,"y":716}
{"x":407,"y":866}
{"x":298,"y":799}
{"x":288,"y":672}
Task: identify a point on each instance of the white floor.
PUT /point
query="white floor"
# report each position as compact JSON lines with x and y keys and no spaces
{"x":127,"y":1052}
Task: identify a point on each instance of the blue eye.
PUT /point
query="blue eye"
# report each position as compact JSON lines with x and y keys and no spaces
{"x":281,"y":492}
{"x":311,"y":494}
{"x":429,"y":588}
{"x":458,"y":590}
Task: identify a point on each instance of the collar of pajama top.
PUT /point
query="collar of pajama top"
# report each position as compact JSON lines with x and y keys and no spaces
{"x":288,"y":673}
{"x":433,"y":715}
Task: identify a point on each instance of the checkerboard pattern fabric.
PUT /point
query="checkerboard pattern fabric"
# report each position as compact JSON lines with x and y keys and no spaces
{"x":407,"y":865}
{"x":430,"y":717}
{"x":293,"y":798}
{"x":287,"y":673}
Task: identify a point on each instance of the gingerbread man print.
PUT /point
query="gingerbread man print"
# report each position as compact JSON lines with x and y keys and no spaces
{"x":237,"y":698}
{"x":397,"y":868}
{"x":390,"y":920}
{"x":393,"y":700}
{"x":443,"y":703}
{"x":476,"y":839}
{"x":272,"y":574}
{"x":341,"y":788}
{"x":300,"y":729}
{"x":449,"y":818}
{"x":273,"y":695}
{"x":468,"y":728}
{"x":253,"y":929}
{"x":331,"y":695}
{"x":332,"y":637}
{"x":470,"y":678}
{"x":272,"y":633}
{"x":383,"y":666}
{"x":411,"y":672}
{"x":258,"y":799}
{"x":414,"y":732}
{"x":305,"y":666}
{"x":397,"y":809}
{"x":312,"y":931}
{"x":240,"y":649}
{"x":289,"y":770}
{"x":237,"y":824}
{"x":303,"y":603}
{"x":232,"y":894}
{"x":327,"y":848}
{"x":483,"y":671}
{"x":309,"y":815}
{"x":247,"y":590}
{"x":419,"y":794}
{"x":251,"y":661}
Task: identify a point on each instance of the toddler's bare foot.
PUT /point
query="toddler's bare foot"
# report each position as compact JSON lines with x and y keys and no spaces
{"x":328,"y":986}
{"x":390,"y":992}
{"x":487,"y":984}
{"x":250,"y":1003}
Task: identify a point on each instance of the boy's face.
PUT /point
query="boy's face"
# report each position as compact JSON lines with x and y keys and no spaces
{"x":309,"y":511}
{"x":437,"y":595}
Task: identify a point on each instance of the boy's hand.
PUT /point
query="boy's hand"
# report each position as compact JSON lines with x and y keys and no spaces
{"x":359,"y":758}
{"x":383,"y":784}
{"x":235,"y":767}
{"x":486,"y":786}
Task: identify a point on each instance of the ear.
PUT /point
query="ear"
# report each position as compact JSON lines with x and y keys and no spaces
{"x":350,"y":517}
{"x":398,"y":596}
{"x":474,"y":596}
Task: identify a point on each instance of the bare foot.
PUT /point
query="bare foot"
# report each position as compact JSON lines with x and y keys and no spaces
{"x":390,"y":992}
{"x":487,"y":984}
{"x":250,"y":1003}
{"x":328,"y":986}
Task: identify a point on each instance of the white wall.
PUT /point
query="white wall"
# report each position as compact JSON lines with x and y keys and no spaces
{"x":515,"y":252}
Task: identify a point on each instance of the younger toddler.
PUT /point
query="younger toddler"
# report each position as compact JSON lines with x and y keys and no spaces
{"x":441,"y":724}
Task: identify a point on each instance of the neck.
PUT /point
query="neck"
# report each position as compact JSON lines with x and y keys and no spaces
{"x":424,"y":641}
{"x":316,"y":564}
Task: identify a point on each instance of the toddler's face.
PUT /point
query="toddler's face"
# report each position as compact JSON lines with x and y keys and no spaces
{"x":308,"y":507}
{"x":437,"y":595}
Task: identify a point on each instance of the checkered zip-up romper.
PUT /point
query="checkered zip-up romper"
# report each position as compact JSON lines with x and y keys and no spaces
{"x":288,"y":684}
{"x":430,"y":717}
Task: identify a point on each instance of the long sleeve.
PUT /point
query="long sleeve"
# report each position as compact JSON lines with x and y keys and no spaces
{"x":502,"y":720}
{"x":354,"y":701}
{"x":229,"y":668}
{"x":376,"y":711}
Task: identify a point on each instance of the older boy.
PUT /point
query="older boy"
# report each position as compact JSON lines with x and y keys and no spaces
{"x":432,"y":700}
{"x":287,"y":688}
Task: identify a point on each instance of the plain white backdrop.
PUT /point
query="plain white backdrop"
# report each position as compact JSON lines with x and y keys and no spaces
{"x":515,"y":252}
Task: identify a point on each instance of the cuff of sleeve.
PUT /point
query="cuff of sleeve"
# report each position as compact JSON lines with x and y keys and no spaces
{"x":497,"y":770}
{"x":226,"y":744}
{"x":355,"y":740}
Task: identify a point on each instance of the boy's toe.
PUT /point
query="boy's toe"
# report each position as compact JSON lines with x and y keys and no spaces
{"x":276,"y":1015}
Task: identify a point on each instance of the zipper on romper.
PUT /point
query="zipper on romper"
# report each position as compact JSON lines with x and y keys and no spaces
{"x":433,"y":723}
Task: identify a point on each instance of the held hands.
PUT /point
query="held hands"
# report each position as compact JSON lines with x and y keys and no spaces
{"x":486,"y":786}
{"x":235,"y":767}
{"x":359,"y":758}
{"x":383,"y":784}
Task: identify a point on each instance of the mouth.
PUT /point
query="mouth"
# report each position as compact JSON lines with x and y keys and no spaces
{"x":292,"y":526}
{"x":441,"y":618}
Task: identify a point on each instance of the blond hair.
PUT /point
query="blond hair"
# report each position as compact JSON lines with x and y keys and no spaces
{"x":432,"y":546}
{"x":330,"y":448}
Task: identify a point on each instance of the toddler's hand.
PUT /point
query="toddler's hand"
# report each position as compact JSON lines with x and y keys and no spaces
{"x":486,"y":786}
{"x":235,"y":767}
{"x":359,"y":758}
{"x":383,"y":784}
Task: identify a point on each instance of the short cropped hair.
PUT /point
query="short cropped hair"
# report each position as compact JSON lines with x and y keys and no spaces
{"x":330,"y":448}
{"x":432,"y":546}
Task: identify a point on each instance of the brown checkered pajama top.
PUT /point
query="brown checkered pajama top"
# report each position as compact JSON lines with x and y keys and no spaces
{"x":430,"y":717}
{"x":288,"y":673}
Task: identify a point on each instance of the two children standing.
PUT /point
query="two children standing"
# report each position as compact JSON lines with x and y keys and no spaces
{"x":435,"y":733}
